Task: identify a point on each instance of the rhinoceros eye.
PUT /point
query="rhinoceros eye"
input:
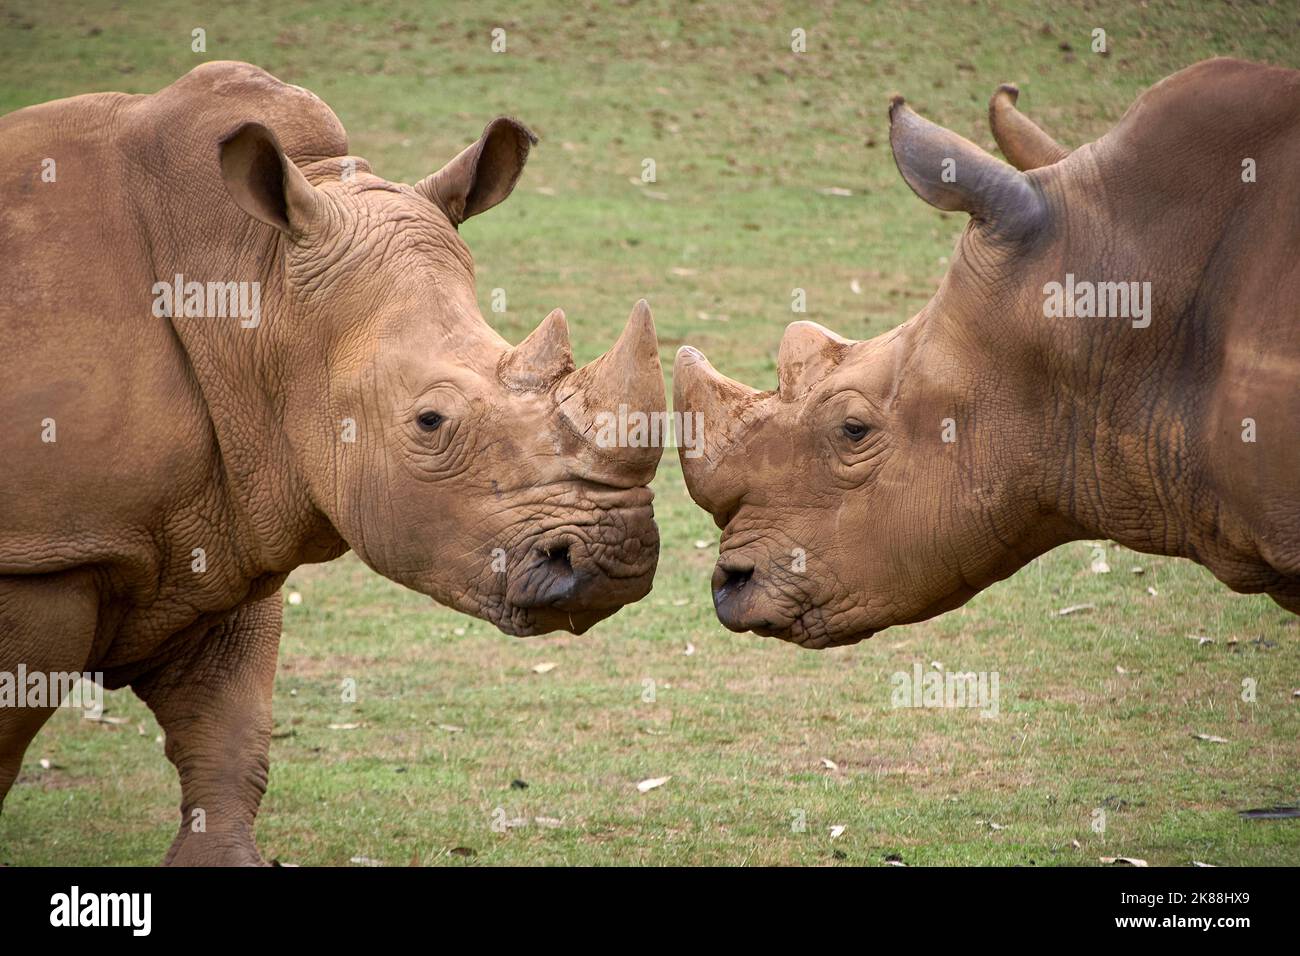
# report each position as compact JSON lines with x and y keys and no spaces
{"x":429,"y":421}
{"x":854,"y":430}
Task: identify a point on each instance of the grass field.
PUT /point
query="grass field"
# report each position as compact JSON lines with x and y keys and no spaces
{"x":1099,"y":710}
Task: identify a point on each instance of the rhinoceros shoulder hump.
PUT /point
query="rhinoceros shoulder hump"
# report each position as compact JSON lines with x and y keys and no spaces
{"x":212,"y":100}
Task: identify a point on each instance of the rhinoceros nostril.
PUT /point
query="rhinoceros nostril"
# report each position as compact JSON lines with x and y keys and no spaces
{"x":730,"y":575}
{"x":557,"y":559}
{"x":736,"y":580}
{"x":557,"y":569}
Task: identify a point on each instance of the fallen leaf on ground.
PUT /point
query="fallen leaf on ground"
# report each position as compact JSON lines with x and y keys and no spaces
{"x":105,"y":719}
{"x":653,"y":783}
{"x":1075,"y":609}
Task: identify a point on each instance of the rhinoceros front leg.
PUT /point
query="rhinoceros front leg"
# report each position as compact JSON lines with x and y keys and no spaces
{"x":215,"y":709}
{"x":47,"y":625}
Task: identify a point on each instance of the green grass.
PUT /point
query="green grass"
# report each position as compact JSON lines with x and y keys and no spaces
{"x":744,"y":134}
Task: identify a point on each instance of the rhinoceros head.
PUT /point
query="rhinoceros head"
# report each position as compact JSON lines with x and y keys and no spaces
{"x":449,"y":461}
{"x":888,"y":480}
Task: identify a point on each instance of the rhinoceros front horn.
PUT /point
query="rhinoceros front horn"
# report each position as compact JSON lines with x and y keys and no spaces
{"x":723,"y":411}
{"x":625,"y":385}
{"x":541,"y":358}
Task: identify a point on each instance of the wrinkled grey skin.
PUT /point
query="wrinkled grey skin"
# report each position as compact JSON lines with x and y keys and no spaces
{"x":196,"y":462}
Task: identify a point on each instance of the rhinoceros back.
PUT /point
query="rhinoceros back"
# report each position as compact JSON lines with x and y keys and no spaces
{"x":106,"y":194}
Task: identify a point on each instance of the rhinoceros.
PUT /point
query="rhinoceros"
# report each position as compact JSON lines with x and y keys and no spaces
{"x":1114,"y":353}
{"x":230,"y":349}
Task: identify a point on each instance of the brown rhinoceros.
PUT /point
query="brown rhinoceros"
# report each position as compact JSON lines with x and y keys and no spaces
{"x":229,"y":349}
{"x":889,"y":480}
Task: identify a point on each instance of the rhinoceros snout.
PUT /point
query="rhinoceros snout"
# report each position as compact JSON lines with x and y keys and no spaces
{"x":589,"y":571}
{"x":737,"y":598}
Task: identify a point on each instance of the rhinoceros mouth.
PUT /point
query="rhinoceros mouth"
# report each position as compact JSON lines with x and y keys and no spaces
{"x":771,"y":605}
{"x":814,"y":637}
{"x":530,"y":622}
{"x":808,"y":629}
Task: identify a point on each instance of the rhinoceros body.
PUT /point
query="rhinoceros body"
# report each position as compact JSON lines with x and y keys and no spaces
{"x":1114,"y":353}
{"x":229,"y":349}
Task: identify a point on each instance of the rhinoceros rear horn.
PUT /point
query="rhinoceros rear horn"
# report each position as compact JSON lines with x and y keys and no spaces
{"x":1022,"y":142}
{"x":483,"y":174}
{"x":808,"y":352}
{"x":541,"y":358}
{"x":628,"y":375}
{"x":952,"y":173}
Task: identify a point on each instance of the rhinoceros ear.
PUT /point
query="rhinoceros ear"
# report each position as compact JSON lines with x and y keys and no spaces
{"x":264,"y":182}
{"x":483,"y":174}
{"x":808,"y":352}
{"x":952,"y":173}
{"x":1022,"y":142}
